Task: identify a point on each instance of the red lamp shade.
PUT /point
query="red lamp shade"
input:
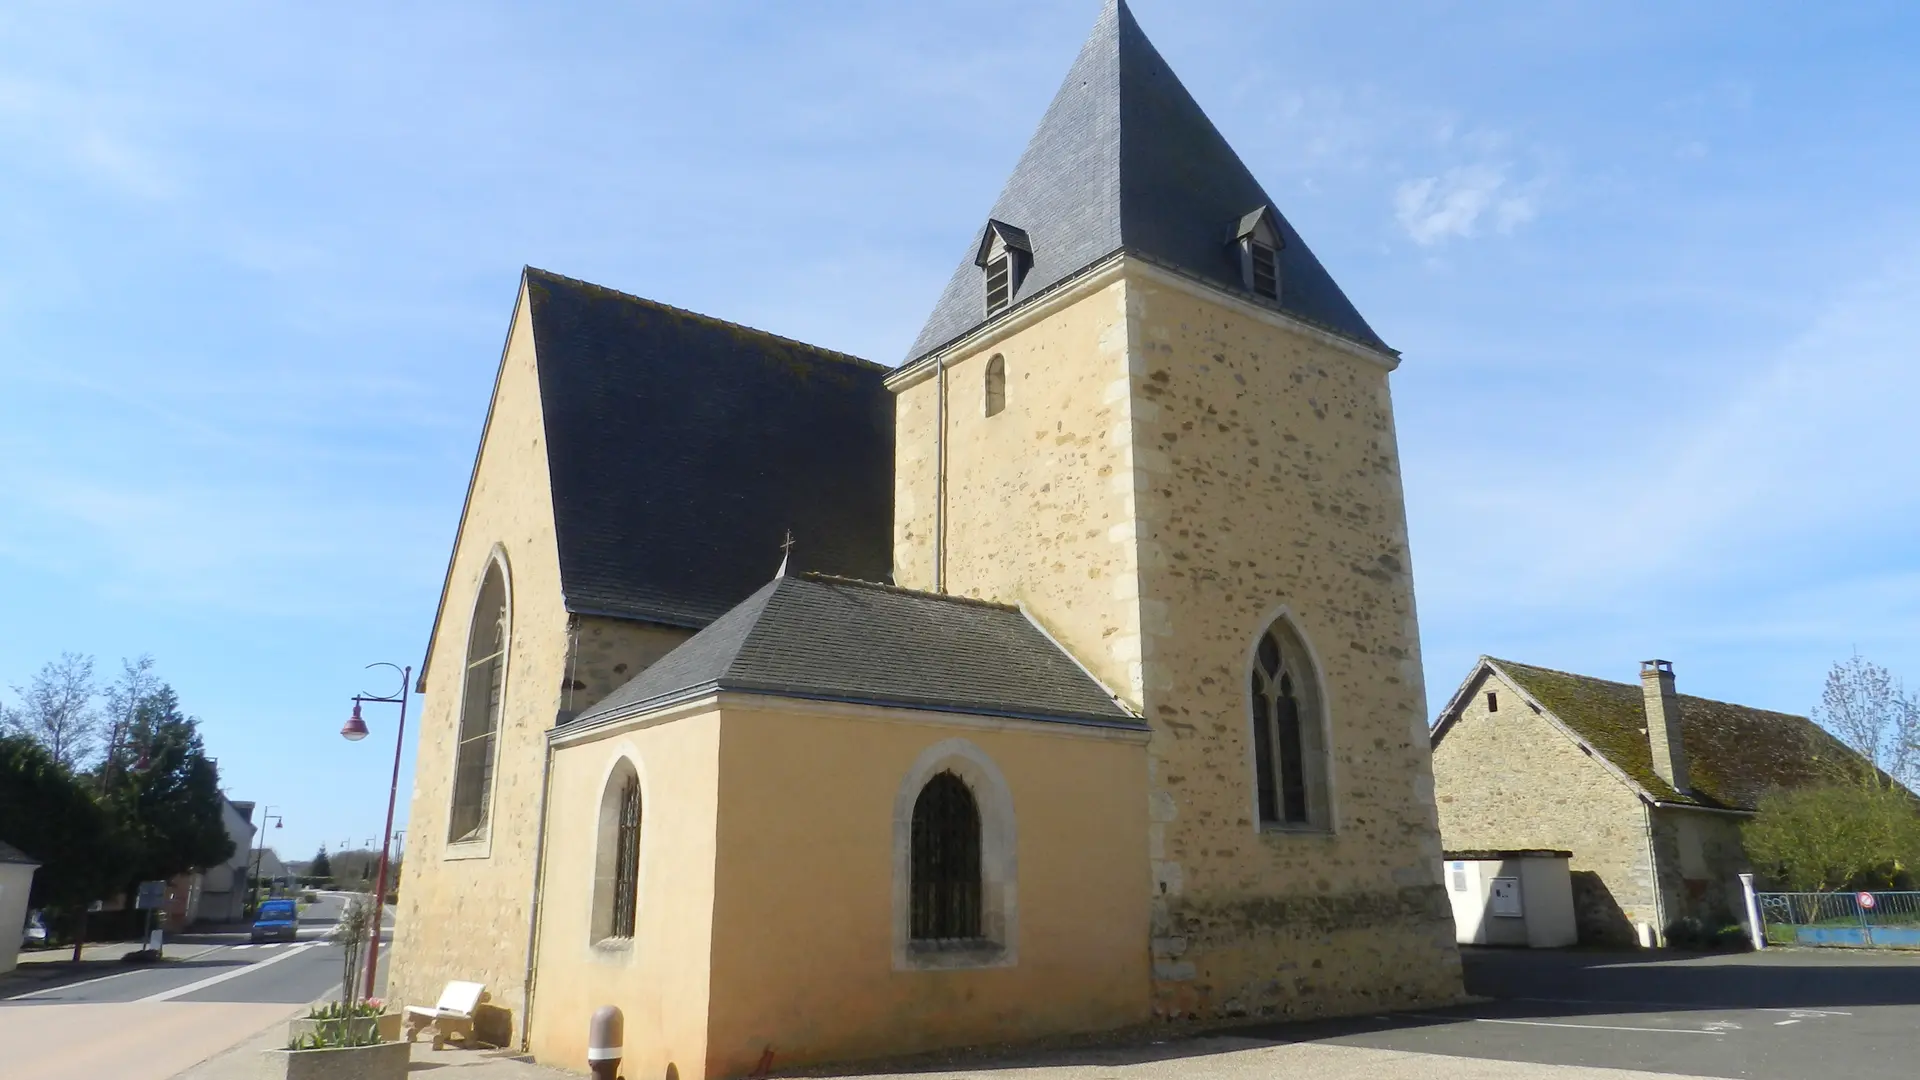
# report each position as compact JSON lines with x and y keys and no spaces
{"x":355,"y":729}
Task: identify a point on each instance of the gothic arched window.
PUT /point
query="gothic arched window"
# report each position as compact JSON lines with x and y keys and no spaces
{"x":945,"y":860}
{"x":616,"y":875}
{"x":480,"y":703}
{"x":996,"y":384}
{"x":1290,"y":761}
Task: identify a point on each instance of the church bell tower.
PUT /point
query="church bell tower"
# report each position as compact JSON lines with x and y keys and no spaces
{"x":1144,"y":411}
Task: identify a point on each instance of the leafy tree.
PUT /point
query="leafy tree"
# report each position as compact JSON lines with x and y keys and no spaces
{"x":52,"y":815}
{"x":1845,"y":835}
{"x":321,"y":867}
{"x":57,"y":710}
{"x":170,"y":810}
{"x":1871,"y":712}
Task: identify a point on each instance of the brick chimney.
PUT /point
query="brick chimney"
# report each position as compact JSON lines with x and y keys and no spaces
{"x":1663,"y":722}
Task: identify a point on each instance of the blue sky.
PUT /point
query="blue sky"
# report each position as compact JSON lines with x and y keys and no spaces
{"x":1655,"y":270}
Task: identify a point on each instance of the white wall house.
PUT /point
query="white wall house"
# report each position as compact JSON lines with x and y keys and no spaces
{"x":16,"y":880}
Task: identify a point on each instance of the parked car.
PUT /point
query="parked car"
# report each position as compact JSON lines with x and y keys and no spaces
{"x":34,"y":933}
{"x":277,"y":919}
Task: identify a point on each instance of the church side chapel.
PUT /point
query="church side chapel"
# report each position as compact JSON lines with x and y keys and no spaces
{"x":1062,"y":678}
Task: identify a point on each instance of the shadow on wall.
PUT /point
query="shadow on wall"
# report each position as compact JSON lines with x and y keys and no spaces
{"x":1596,"y":915}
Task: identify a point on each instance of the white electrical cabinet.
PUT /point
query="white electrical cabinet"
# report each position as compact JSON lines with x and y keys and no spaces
{"x":1511,"y":898}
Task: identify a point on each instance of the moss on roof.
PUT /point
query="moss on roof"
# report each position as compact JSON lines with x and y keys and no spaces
{"x":1735,"y":754}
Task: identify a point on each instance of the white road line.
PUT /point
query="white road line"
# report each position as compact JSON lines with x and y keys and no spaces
{"x":1595,"y":1027}
{"x":71,"y":985}
{"x":1693,"y":1005}
{"x":212,"y":980}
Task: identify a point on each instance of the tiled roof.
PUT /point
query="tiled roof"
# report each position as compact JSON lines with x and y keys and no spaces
{"x":814,"y":636}
{"x":1735,"y":754}
{"x":681,"y":449}
{"x":1125,"y":159}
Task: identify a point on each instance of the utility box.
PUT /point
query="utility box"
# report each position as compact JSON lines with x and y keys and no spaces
{"x":1522,"y":897}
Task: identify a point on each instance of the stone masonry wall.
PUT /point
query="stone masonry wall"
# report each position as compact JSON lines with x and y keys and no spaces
{"x":1508,"y":778}
{"x":1267,"y":479}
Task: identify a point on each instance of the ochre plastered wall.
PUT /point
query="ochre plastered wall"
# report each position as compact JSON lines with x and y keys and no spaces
{"x":1511,"y":779}
{"x":465,"y":907}
{"x":802,"y":930}
{"x":463,"y":912}
{"x":1172,"y":469}
{"x":659,"y":978}
{"x":1268,"y":479}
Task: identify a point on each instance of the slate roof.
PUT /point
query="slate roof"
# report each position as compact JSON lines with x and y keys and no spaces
{"x":1125,"y":159}
{"x":681,"y":449}
{"x":11,"y":854}
{"x":822,"y":637}
{"x":1735,"y":754}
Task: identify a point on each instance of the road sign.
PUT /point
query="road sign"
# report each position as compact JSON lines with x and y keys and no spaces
{"x":1866,"y":900}
{"x":152,"y":894}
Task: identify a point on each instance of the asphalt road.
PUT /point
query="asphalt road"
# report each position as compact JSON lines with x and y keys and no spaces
{"x":1776,"y":1015}
{"x":233,"y":970}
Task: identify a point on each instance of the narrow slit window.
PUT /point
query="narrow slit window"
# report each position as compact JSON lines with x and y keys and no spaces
{"x":1493,"y":701}
{"x":996,"y":385}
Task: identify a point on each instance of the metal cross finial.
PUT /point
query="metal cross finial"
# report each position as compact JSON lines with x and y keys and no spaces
{"x":786,"y":552}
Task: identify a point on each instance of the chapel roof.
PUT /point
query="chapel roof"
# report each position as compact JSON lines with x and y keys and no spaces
{"x":835,"y":639}
{"x":1125,"y":160}
{"x":11,"y":854}
{"x":682,"y":449}
{"x":1735,"y":754}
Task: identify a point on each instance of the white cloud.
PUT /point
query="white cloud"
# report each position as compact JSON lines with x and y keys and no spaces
{"x":1454,"y":204}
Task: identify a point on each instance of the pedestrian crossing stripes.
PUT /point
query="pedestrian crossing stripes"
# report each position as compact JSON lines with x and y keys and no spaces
{"x":265,"y":945}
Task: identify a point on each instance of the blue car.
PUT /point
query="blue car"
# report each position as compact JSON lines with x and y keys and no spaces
{"x":276,"y":920}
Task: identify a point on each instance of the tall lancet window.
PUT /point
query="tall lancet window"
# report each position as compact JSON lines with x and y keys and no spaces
{"x":481,"y":699}
{"x":1004,"y":255}
{"x":1259,"y":242}
{"x":1290,"y":760}
{"x":996,"y":385}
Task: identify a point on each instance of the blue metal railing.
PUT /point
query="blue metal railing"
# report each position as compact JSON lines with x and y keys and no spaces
{"x":1887,"y":920}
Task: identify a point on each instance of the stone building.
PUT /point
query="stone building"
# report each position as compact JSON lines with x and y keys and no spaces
{"x":1647,"y":787}
{"x":1063,"y":677}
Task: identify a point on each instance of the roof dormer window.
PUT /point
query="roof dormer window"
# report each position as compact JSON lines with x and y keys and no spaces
{"x":1004,"y":255}
{"x":1258,"y":238}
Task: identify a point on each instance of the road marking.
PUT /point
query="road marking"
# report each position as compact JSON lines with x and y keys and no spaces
{"x":1594,"y":1027}
{"x":68,"y":986}
{"x":213,"y":980}
{"x":1802,"y":1012}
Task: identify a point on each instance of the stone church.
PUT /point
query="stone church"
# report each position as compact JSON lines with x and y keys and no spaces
{"x":1064,"y":677}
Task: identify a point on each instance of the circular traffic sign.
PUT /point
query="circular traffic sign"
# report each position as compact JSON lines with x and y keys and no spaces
{"x":1866,"y":900}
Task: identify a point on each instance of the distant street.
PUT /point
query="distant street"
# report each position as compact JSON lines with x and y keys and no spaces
{"x":148,"y":1022}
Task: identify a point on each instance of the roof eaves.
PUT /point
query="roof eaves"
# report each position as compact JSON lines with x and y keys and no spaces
{"x":1450,"y":712}
{"x":1127,"y":723}
{"x":1118,"y":701}
{"x":640,"y":614}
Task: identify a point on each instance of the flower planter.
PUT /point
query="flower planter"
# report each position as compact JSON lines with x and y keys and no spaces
{"x":387,"y":1024}
{"x":382,"y":1061}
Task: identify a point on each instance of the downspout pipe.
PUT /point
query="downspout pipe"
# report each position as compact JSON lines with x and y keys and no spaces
{"x":940,"y":475}
{"x":566,"y":713}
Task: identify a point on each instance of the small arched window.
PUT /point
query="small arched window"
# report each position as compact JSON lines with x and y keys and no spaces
{"x":1290,"y":762}
{"x":616,"y":877}
{"x":481,"y":700}
{"x":996,"y":385}
{"x":945,"y":880}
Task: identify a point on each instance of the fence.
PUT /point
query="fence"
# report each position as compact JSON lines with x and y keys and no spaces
{"x":1890,"y":921}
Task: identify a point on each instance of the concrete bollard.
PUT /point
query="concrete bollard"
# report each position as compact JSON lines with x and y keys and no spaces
{"x":606,"y":1035}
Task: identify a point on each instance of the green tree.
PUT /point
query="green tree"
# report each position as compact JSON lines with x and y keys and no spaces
{"x":1844,"y":835}
{"x":52,"y":815}
{"x":170,"y":810}
{"x":321,"y":867}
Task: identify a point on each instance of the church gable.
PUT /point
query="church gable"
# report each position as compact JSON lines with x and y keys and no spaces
{"x":1126,"y":160}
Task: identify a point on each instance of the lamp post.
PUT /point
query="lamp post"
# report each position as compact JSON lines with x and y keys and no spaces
{"x":354,"y":730}
{"x":260,"y":845}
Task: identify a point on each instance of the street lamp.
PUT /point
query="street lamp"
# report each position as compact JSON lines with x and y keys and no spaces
{"x":354,"y":730}
{"x":260,"y":845}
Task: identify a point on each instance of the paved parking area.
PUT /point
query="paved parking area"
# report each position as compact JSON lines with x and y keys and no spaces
{"x":1777,"y":1015}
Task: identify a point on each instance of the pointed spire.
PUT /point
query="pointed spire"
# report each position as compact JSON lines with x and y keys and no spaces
{"x":1126,"y":159}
